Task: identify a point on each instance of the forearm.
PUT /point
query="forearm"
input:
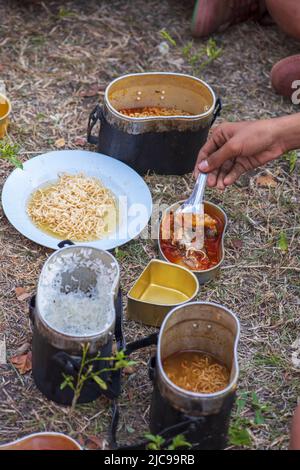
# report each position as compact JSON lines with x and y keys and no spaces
{"x":287,"y":132}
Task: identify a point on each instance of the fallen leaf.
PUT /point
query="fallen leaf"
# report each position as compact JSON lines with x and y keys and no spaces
{"x":22,"y":349}
{"x":128,"y":370}
{"x":23,"y":362}
{"x":59,"y":143}
{"x":94,"y":442}
{"x":80,"y":141}
{"x":21,"y":293}
{"x":266,"y":180}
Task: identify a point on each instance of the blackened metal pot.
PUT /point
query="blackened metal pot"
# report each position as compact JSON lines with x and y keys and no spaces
{"x":57,"y":353}
{"x":202,"y":418}
{"x":162,"y":144}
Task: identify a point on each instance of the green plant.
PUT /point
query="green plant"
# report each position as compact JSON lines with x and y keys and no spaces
{"x":86,"y":372}
{"x":9,"y":152}
{"x":120,"y":254}
{"x":291,"y":157}
{"x":164,"y":34}
{"x":179,"y":441}
{"x":239,"y":434}
{"x":64,"y":13}
{"x":283,"y":242}
{"x":200,"y":58}
{"x":157,"y":442}
{"x":203,"y":56}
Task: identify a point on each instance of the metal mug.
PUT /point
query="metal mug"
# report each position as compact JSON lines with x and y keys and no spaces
{"x":5,"y":109}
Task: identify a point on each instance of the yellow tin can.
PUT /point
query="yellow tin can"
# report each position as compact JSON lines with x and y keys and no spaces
{"x":5,"y":109}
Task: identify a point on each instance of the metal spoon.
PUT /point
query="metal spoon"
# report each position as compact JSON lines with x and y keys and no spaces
{"x":193,"y":206}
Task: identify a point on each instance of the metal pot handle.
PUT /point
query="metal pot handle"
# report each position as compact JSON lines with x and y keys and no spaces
{"x":69,"y":365}
{"x":64,"y":243}
{"x":96,"y":115}
{"x":217,"y":110}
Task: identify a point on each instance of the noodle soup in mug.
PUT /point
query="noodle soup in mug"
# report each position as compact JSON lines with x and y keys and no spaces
{"x":5,"y":109}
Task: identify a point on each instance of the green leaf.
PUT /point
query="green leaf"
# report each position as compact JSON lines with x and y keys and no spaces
{"x":241,"y":402}
{"x":168,"y":37}
{"x":99,"y":381}
{"x":255,"y":399}
{"x":68,"y":382}
{"x":186,"y":50}
{"x":130,"y":429}
{"x":9,"y":152}
{"x":179,"y":441}
{"x":239,"y":436}
{"x":156,"y":442}
{"x":120,"y":254}
{"x":258,"y":418}
{"x":291,"y":157}
{"x":152,"y":446}
{"x":283,"y":242}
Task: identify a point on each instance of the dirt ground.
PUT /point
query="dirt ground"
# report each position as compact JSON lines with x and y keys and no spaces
{"x":56,"y":62}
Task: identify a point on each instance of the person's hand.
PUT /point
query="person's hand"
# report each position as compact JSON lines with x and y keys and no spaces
{"x":235,"y":148}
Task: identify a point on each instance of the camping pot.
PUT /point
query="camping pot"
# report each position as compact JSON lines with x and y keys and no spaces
{"x":213,"y":210}
{"x":75,"y":277}
{"x":162,"y":144}
{"x":202,"y":418}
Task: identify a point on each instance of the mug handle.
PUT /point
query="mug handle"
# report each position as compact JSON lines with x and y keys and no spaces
{"x":96,"y":115}
{"x":217,"y":110}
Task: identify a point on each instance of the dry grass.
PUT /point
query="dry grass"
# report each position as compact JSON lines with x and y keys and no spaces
{"x":56,"y":63}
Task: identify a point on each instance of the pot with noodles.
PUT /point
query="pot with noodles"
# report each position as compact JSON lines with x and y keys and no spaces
{"x":154,"y":121}
{"x":196,"y":373}
{"x":174,"y":231}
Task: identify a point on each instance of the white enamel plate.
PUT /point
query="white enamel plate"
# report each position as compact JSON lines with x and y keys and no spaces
{"x":125,"y":183}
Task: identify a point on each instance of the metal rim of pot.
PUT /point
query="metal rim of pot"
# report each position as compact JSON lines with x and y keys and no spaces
{"x":181,"y":117}
{"x":213,"y":268}
{"x":187,"y":393}
{"x":194,"y":277}
{"x":40,"y":317}
{"x":42,"y":434}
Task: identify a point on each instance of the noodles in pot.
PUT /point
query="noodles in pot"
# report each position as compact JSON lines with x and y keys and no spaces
{"x":153,"y":111}
{"x":76,"y":207}
{"x":196,"y":372}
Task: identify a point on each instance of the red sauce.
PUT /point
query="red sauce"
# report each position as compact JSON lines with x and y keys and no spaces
{"x":177,"y":254}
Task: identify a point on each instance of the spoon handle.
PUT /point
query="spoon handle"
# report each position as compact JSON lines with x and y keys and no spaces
{"x":198,"y":193}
